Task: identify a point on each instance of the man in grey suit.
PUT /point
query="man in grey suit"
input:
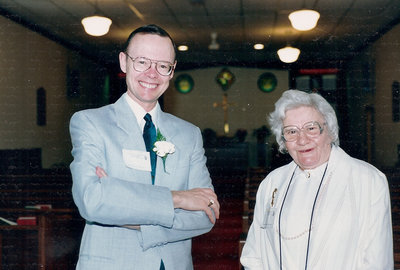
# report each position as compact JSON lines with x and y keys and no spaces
{"x":140,"y":214}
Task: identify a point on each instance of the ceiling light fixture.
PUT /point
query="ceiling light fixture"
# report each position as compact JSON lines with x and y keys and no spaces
{"x":258,"y":46}
{"x":304,"y":20}
{"x":183,"y":48}
{"x":96,"y":25}
{"x":288,"y":54}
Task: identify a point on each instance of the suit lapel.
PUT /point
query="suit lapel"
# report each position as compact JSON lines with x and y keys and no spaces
{"x":169,"y":130}
{"x":131,"y":137}
{"x":126,"y":121}
{"x":166,"y":127}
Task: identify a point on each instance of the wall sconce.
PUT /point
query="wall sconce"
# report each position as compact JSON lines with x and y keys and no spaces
{"x":96,"y":25}
{"x":288,"y":54}
{"x":304,"y":20}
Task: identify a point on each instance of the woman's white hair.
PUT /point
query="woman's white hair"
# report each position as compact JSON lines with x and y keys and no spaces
{"x":292,"y":99}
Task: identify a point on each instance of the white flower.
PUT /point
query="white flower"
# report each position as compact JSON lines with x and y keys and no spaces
{"x":163,"y":148}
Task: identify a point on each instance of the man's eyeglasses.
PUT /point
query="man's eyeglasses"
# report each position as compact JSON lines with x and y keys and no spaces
{"x":141,"y":64}
{"x":311,"y":129}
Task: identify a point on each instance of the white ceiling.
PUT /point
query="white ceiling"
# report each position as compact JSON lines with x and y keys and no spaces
{"x":345,"y":26}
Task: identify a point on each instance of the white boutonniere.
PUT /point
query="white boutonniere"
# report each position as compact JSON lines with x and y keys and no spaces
{"x":163,"y":148}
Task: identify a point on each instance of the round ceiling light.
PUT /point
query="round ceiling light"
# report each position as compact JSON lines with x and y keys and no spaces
{"x":288,"y":54}
{"x":96,"y":25}
{"x":304,"y":20}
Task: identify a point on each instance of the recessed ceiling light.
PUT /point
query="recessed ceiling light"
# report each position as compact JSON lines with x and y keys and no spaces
{"x":258,"y":46}
{"x":183,"y":48}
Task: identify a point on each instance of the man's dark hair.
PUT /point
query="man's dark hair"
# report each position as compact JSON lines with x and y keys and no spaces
{"x":149,"y":29}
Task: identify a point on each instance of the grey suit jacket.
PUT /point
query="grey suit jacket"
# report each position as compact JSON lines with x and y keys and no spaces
{"x":127,"y":197}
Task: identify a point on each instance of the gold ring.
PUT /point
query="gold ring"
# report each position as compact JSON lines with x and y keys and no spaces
{"x":211,"y":202}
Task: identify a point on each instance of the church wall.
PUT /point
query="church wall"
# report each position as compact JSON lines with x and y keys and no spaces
{"x":249,"y":106}
{"x":387,"y":69}
{"x":29,"y":61}
{"x":360,"y":88}
{"x":370,"y":76}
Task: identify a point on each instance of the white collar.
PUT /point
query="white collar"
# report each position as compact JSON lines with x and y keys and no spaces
{"x":139,"y":112}
{"x":310,"y":172}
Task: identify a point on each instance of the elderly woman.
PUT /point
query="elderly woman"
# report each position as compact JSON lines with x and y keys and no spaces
{"x":324,"y":210}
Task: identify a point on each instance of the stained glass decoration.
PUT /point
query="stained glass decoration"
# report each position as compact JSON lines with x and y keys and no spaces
{"x":267,"y":82}
{"x":184,"y":83}
{"x":225,"y":79}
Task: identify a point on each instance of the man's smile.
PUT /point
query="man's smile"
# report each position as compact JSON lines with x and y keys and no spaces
{"x":148,"y":85}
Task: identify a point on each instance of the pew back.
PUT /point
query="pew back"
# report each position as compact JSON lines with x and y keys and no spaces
{"x":51,"y":243}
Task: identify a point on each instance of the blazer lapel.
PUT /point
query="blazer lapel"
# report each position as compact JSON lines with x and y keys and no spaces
{"x":129,"y":136}
{"x":166,"y":127}
{"x":169,"y":130}
{"x":126,"y":121}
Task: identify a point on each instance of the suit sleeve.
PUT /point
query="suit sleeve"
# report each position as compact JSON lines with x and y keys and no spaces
{"x":109,"y":200}
{"x":186,"y":224}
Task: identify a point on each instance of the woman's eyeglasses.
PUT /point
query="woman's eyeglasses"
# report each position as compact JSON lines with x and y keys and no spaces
{"x":311,"y":129}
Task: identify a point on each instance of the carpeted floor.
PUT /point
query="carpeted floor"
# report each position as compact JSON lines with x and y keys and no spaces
{"x":218,"y":249}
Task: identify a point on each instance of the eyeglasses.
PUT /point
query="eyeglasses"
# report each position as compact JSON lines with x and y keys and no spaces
{"x":311,"y":129}
{"x":141,"y":64}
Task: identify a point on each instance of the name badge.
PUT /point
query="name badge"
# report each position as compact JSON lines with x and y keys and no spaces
{"x":138,"y":160}
{"x":269,"y":218}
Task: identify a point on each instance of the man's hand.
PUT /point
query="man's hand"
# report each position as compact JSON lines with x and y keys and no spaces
{"x":197,"y":199}
{"x":100,"y":172}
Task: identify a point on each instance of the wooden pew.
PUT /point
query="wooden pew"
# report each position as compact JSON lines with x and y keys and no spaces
{"x":36,"y":246}
{"x":253,"y":180}
{"x":53,"y":242}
